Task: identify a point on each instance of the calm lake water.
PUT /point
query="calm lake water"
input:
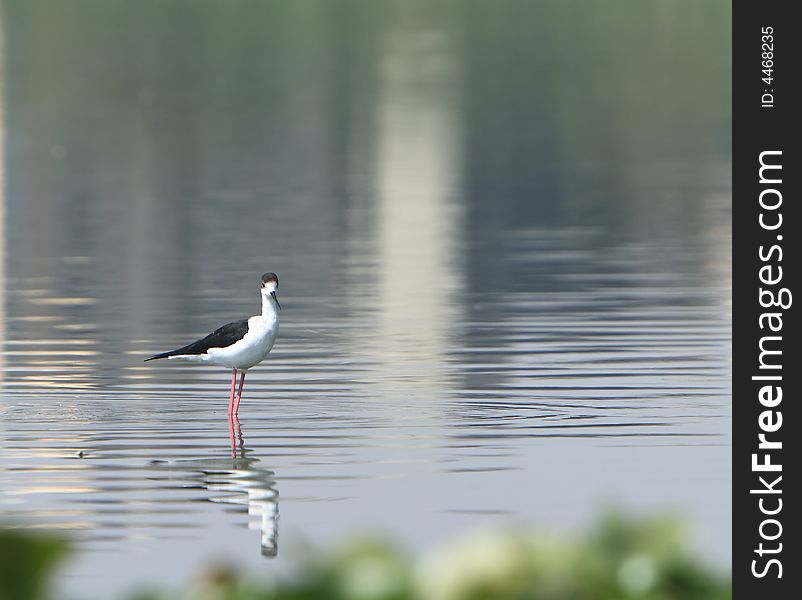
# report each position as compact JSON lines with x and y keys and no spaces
{"x":502,"y":232}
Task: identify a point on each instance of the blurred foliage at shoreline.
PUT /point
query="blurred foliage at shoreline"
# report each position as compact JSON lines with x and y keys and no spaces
{"x":619,"y":558}
{"x":26,"y":562}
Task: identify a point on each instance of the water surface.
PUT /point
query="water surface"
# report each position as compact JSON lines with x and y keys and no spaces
{"x":504,"y":264}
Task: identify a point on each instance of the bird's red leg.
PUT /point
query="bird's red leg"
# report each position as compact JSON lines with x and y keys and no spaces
{"x":231,"y":396}
{"x":231,"y":435}
{"x":239,"y":392}
{"x":240,"y":439}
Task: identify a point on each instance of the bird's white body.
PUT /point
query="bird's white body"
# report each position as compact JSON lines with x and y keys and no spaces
{"x":253,"y":348}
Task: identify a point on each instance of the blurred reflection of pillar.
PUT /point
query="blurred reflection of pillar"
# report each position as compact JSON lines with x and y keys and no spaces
{"x":418,"y":219}
{"x":2,"y":199}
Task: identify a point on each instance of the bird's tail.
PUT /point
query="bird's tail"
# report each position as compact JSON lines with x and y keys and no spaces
{"x":162,"y":355}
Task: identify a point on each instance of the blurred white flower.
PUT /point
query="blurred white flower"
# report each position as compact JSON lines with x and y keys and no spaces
{"x":637,"y":574}
{"x":479,"y":561}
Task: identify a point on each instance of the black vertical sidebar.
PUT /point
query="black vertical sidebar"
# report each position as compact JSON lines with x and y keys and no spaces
{"x":766,"y":266}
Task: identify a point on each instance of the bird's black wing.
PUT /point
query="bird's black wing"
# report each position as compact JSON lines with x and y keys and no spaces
{"x":219,"y":338}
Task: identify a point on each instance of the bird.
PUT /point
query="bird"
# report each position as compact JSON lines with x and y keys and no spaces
{"x":239,"y":345}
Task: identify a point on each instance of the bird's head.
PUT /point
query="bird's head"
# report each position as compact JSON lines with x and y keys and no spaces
{"x":270,"y":285}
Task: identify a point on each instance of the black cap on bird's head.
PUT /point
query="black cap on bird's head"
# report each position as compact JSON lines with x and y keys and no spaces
{"x":268,"y":278}
{"x":270,"y":284}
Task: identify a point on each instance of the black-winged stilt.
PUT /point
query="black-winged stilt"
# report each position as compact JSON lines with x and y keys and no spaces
{"x":239,"y":345}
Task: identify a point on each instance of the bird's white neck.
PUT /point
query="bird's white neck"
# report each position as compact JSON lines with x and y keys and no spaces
{"x":269,"y":308}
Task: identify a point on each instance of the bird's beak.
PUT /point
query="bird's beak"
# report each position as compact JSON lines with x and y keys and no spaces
{"x":276,"y":299}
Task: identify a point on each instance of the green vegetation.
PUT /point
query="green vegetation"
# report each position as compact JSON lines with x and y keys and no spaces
{"x":26,"y":561}
{"x":619,"y":559}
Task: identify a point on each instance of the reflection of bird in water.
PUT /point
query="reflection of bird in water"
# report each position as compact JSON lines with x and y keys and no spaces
{"x":239,"y":345}
{"x":240,"y":483}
